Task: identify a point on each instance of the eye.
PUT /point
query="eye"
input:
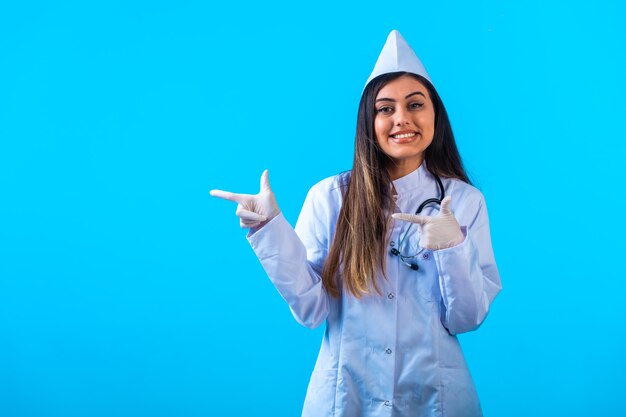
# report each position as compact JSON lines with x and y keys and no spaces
{"x":385,"y":109}
{"x":416,"y":105}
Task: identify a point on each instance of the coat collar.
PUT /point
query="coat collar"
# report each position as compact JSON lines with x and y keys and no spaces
{"x":413,"y":180}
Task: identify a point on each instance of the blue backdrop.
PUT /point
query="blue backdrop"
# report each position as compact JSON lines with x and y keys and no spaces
{"x":126,"y":290}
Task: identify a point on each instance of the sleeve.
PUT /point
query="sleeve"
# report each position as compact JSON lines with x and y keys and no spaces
{"x":468,"y":275}
{"x":293,"y":262}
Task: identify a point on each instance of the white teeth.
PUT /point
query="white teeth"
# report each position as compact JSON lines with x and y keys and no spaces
{"x":404,"y":135}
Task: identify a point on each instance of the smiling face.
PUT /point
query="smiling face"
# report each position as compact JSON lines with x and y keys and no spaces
{"x":404,"y":124}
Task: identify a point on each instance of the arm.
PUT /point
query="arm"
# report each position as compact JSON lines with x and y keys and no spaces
{"x":293,"y":261}
{"x":468,"y":276}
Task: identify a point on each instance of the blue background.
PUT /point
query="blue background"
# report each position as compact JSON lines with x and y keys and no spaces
{"x":126,"y":290}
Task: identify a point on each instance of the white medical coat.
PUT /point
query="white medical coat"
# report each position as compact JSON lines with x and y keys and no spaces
{"x":394,"y":354}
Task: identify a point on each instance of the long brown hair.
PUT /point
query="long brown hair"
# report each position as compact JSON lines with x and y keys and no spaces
{"x":359,"y":247}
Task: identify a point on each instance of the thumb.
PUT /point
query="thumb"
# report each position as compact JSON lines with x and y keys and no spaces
{"x":445,"y":205}
{"x":265,"y":181}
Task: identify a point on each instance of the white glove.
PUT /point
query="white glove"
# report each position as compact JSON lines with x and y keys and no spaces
{"x":253,"y":210}
{"x":438,"y":232}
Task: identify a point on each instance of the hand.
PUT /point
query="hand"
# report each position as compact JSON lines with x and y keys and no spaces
{"x":253,"y":210}
{"x":438,"y":232}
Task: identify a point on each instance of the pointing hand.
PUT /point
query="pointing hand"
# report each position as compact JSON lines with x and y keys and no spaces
{"x":438,"y":232}
{"x":253,"y":210}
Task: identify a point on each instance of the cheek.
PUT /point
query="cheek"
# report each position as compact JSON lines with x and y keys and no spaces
{"x":432,"y":121}
{"x":428,"y":123}
{"x":380,"y":127}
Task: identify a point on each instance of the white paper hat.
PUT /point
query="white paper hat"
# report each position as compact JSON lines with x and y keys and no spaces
{"x":396,"y":56}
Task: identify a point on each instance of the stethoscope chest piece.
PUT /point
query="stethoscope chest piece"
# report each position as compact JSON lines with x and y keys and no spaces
{"x":407,"y":259}
{"x":396,"y":252}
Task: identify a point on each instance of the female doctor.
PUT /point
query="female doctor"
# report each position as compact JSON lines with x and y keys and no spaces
{"x":394,"y":289}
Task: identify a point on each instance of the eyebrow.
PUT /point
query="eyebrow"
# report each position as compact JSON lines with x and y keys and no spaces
{"x":410,"y":95}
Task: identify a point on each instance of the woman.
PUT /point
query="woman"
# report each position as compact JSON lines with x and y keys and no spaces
{"x":393,"y":294}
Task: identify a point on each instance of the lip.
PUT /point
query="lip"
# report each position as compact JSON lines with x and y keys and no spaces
{"x":402,"y":132}
{"x":402,"y":141}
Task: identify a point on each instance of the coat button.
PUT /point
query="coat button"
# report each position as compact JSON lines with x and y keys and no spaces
{"x":392,"y":243}
{"x":388,"y":351}
{"x":391,"y":295}
{"x":388,"y":403}
{"x":425,"y":256}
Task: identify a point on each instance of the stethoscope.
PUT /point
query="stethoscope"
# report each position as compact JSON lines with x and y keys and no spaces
{"x":437,"y":201}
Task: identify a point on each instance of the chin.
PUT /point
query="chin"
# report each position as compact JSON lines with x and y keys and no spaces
{"x":403,"y":156}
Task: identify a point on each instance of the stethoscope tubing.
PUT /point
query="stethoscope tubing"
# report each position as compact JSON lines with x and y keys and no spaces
{"x":420,"y":208}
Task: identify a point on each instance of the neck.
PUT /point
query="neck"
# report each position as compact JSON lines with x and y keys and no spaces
{"x":398,"y":169}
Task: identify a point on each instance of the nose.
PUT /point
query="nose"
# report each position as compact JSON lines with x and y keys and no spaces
{"x":401,"y":117}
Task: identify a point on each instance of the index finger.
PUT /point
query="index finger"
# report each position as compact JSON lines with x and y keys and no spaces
{"x":413,"y":218}
{"x":227,"y":195}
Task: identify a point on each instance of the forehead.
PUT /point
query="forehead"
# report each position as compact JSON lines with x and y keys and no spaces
{"x":401,"y":87}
